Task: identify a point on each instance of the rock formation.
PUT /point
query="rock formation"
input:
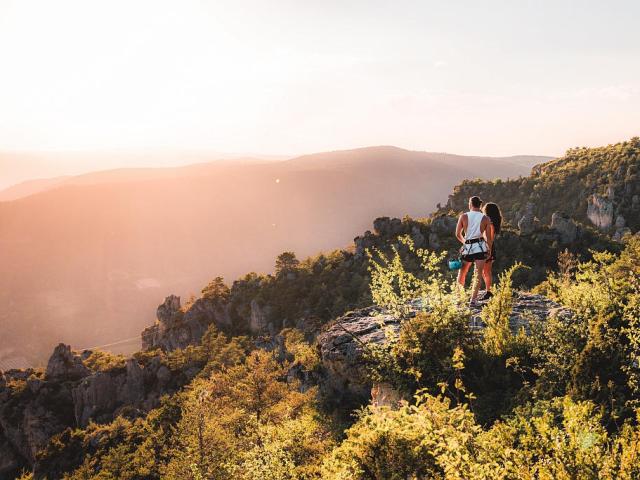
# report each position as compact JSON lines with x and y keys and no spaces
{"x":388,"y":227}
{"x":65,"y":364}
{"x":565,"y":226}
{"x":176,"y":328}
{"x":35,"y":406}
{"x":259,"y":318}
{"x":99,"y":396}
{"x":342,"y":344}
{"x":600,"y":211}
{"x":528,"y":222}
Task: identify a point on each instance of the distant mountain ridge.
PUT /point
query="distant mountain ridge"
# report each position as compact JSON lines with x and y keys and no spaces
{"x":334,"y":158}
{"x":106,"y":247}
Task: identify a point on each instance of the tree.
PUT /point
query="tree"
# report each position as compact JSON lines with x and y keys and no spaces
{"x":286,"y":262}
{"x":216,"y":290}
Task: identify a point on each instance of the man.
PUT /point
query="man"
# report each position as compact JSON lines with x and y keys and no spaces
{"x":475,"y":246}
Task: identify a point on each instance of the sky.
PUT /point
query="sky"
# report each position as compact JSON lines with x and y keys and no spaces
{"x":286,"y":77}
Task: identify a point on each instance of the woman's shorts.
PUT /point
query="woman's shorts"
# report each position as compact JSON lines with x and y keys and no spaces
{"x":475,"y":256}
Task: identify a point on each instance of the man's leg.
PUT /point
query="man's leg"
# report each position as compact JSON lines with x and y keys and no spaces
{"x":462,"y":273}
{"x":478,"y":280}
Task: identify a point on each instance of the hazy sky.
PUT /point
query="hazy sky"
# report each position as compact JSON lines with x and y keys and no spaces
{"x":297,"y":76}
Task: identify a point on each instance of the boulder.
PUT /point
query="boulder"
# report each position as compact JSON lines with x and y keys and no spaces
{"x":565,"y":226}
{"x":600,"y":211}
{"x":65,"y":365}
{"x":342,"y":345}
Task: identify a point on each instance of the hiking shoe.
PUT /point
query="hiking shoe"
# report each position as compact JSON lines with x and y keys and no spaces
{"x":486,"y":296}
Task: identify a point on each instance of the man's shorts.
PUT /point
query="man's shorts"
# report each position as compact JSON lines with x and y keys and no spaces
{"x":475,"y":256}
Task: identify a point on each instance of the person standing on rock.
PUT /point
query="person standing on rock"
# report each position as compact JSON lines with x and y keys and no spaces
{"x":492,"y":211}
{"x":471,"y":231}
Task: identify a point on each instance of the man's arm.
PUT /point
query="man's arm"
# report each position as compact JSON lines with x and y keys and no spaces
{"x":460,"y":227}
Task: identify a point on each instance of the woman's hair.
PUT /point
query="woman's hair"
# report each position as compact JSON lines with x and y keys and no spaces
{"x":492,"y":211}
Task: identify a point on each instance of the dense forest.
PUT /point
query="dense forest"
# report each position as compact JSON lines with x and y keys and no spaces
{"x":248,"y":398}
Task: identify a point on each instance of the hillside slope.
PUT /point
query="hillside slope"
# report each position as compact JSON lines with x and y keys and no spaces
{"x":598,"y":187}
{"x":102,"y":252}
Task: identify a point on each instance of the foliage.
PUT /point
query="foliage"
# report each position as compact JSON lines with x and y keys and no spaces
{"x":246,"y":422}
{"x":216,"y":290}
{"x":557,"y":439}
{"x":286,"y":263}
{"x":302,"y":352}
{"x":429,"y":439}
{"x":604,"y":293}
{"x":101,"y":361}
{"x":497,"y":335}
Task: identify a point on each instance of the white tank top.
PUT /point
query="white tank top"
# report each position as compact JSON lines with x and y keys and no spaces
{"x":474,"y":219}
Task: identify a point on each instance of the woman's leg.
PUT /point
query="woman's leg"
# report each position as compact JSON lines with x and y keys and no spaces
{"x":462,"y":273}
{"x":486,"y":274}
{"x":478,"y":280}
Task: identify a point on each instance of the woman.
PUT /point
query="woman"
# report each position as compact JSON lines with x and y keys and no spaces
{"x":492,"y":211}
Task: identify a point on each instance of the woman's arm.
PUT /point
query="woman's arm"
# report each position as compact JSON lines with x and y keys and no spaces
{"x":489,"y":235}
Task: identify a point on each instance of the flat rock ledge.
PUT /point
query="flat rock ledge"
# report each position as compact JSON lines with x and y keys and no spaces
{"x":343,"y":342}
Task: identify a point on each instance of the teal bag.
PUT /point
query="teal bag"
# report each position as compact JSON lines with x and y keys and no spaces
{"x":455,"y":264}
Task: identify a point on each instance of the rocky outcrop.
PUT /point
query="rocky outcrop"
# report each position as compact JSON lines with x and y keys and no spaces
{"x":176,"y":328}
{"x":621,"y":229}
{"x":364,"y":242}
{"x":388,"y":228}
{"x":343,"y":343}
{"x":600,"y":211}
{"x":441,"y":228}
{"x":36,"y":406}
{"x":259,"y":318}
{"x":528,"y":222}
{"x":342,"y":346}
{"x":65,"y":364}
{"x":444,"y":225}
{"x":99,"y":396}
{"x":28,"y":419}
{"x":564,"y":226}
